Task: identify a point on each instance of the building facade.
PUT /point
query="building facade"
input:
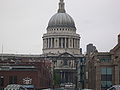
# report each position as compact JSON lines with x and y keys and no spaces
{"x":62,"y":43}
{"x":33,"y":76}
{"x":103,"y":68}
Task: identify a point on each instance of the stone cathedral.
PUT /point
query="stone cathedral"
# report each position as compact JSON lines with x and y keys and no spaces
{"x":61,"y":34}
{"x":63,"y":44}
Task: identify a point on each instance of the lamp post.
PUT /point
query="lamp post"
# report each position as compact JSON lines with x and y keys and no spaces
{"x":82,"y":72}
{"x":54,"y":61}
{"x":53,"y":73}
{"x":76,"y":76}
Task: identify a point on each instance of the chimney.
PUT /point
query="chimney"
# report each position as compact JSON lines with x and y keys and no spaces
{"x":119,"y":38}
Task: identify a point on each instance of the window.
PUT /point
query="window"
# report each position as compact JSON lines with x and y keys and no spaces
{"x":13,"y":80}
{"x":65,"y":62}
{"x":106,"y":84}
{"x":1,"y":81}
{"x":106,"y":77}
{"x":104,"y":58}
{"x":106,"y":70}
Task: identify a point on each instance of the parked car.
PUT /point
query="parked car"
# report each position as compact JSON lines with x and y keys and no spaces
{"x":69,"y":85}
{"x":15,"y":87}
{"x":114,"y":87}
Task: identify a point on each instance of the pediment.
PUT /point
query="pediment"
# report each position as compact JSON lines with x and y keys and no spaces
{"x":64,"y":55}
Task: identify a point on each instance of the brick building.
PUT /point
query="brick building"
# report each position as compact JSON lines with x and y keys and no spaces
{"x":34,"y":75}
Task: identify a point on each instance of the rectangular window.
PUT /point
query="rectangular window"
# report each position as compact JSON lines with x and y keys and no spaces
{"x":106,"y":78}
{"x":103,"y":71}
{"x":106,"y":84}
{"x":109,"y":71}
{"x":106,"y":71}
{"x":1,"y":80}
{"x":13,"y":80}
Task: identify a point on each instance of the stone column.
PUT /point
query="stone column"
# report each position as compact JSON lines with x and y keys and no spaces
{"x":68,"y":76}
{"x":51,"y":43}
{"x":57,"y":42}
{"x":43,"y":43}
{"x":69,"y":43}
{"x":78,"y":43}
{"x":73,"y":42}
{"x":61,"y":76}
{"x":116,"y":75}
{"x":65,"y":42}
{"x":61,"y":42}
{"x":98,"y":78}
{"x":64,"y":77}
{"x":48,"y":42}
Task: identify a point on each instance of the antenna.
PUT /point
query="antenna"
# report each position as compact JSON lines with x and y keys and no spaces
{"x":2,"y":53}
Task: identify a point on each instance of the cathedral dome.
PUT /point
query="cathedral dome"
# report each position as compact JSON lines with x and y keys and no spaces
{"x":61,"y":19}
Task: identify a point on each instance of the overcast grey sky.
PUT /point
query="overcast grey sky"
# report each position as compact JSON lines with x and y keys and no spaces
{"x":23,"y":23}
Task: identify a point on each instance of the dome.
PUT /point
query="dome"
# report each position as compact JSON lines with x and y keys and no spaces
{"x":61,"y":20}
